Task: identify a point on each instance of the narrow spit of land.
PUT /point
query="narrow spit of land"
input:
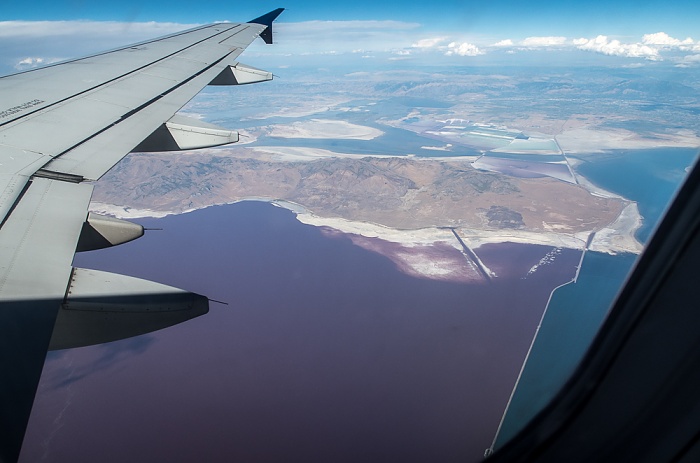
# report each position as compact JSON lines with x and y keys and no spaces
{"x":471,"y":255}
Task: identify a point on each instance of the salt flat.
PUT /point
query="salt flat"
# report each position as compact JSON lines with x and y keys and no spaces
{"x":324,"y":129}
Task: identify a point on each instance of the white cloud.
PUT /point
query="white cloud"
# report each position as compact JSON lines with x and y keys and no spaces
{"x":29,"y":44}
{"x":463,"y":49}
{"x":429,"y":43}
{"x":663,"y":39}
{"x":34,"y":61}
{"x":689,"y":61}
{"x":29,"y":63}
{"x":652,"y":47}
{"x":435,"y":44}
{"x":504,"y":43}
{"x":533,"y":42}
{"x":602,"y":44}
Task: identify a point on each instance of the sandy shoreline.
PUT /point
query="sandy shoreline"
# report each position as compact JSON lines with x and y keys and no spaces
{"x":619,"y":235}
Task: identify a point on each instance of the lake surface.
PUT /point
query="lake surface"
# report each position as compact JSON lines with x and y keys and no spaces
{"x":576,"y":311}
{"x":650,"y":177}
{"x":393,"y":142}
{"x":326,"y":352}
{"x":573,"y":317}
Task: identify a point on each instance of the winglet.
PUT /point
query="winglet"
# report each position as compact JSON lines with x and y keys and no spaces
{"x":266,"y":20}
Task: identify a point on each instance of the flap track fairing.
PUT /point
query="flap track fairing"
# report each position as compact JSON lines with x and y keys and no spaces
{"x":240,"y":74}
{"x":100,"y":231}
{"x":103,"y":307}
{"x":185,"y":133}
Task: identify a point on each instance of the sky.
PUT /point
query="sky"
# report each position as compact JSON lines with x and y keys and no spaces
{"x":632,"y":33}
{"x":558,"y":17}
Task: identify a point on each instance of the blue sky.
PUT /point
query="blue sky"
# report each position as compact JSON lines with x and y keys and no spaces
{"x":679,"y":17}
{"x":626,"y":33}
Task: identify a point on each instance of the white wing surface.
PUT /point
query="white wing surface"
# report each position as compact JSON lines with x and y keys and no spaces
{"x":62,"y":127}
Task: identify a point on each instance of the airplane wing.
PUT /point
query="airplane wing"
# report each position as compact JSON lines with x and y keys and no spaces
{"x":61,"y":128}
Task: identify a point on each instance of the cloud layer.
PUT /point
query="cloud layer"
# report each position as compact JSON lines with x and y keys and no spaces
{"x":602,"y":44}
{"x":30,"y":44}
{"x":537,"y":42}
{"x":654,"y":47}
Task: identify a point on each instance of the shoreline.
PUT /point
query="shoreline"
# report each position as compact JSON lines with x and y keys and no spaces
{"x":615,"y":238}
{"x":433,"y":252}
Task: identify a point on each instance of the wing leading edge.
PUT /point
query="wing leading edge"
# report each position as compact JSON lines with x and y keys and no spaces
{"x":61,"y":128}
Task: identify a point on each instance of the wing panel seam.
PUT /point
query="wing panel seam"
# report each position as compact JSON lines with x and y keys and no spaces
{"x":14,"y":205}
{"x":235,"y":33}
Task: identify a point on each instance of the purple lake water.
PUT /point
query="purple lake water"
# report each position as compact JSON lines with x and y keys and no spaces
{"x":326,"y":351}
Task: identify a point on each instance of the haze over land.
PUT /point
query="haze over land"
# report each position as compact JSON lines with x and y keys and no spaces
{"x":389,"y":154}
